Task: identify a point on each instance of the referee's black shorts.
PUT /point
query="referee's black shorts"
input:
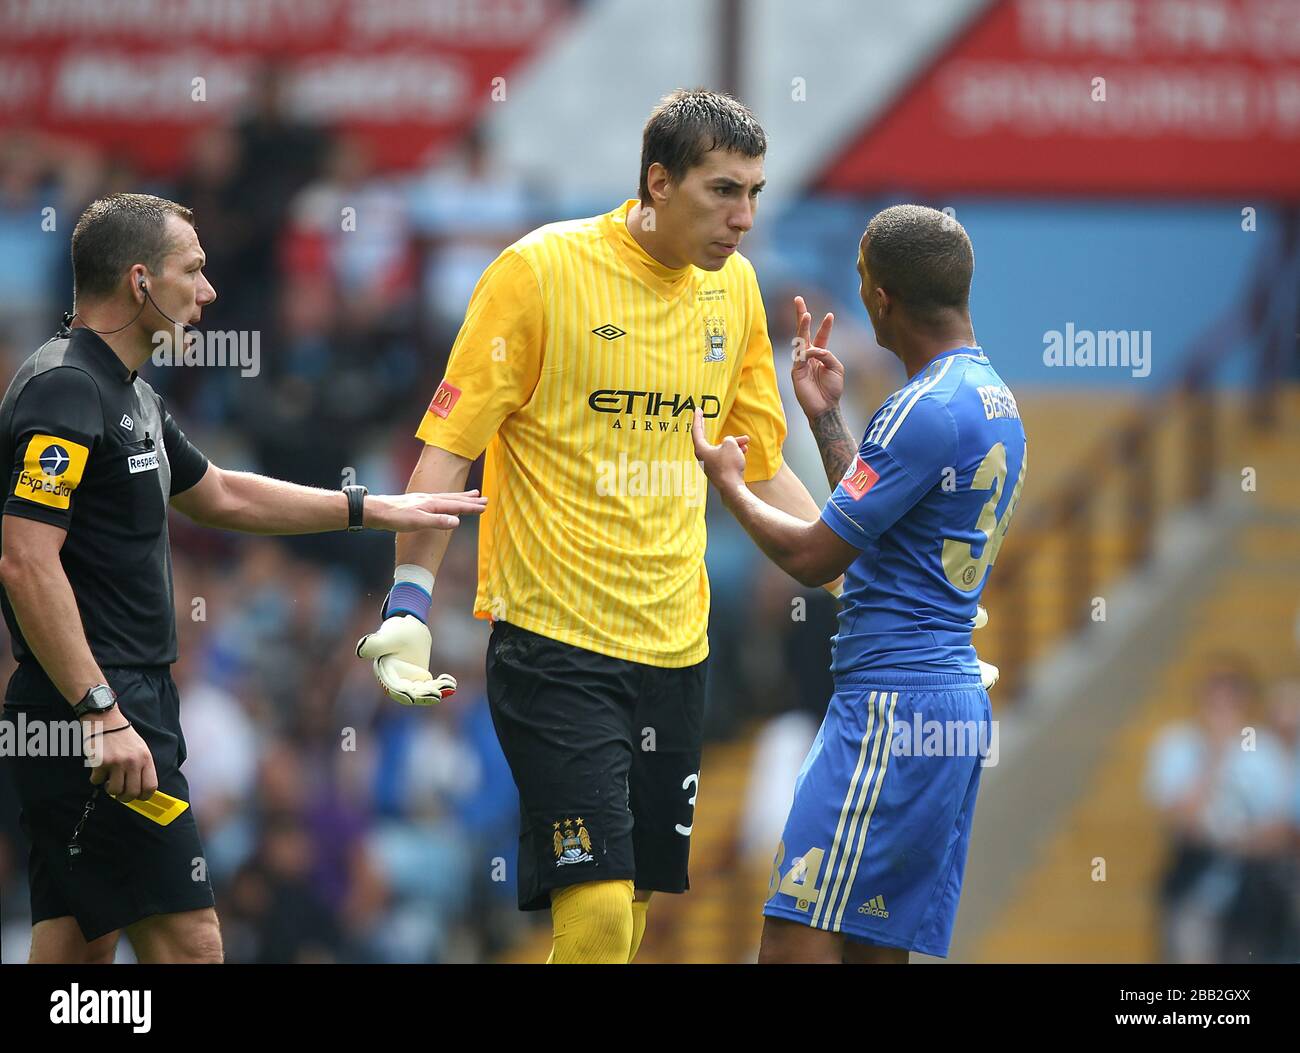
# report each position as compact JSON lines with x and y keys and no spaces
{"x":606,"y":757}
{"x":129,"y":867}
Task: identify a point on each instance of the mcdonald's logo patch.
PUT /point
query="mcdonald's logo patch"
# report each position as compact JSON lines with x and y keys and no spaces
{"x":860,"y":478}
{"x":444,"y":399}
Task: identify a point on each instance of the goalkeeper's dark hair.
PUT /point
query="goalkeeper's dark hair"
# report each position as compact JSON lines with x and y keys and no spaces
{"x":117,"y":232}
{"x":686,"y":125}
{"x":923,"y":258}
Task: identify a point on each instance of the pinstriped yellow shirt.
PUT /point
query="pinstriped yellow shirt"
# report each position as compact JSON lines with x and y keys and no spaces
{"x":578,"y":368}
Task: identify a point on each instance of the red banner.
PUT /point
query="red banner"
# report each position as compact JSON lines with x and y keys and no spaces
{"x":1171,"y":97}
{"x":140,"y":76}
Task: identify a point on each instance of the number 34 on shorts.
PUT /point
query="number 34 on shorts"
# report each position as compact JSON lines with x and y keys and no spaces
{"x":800,"y":881}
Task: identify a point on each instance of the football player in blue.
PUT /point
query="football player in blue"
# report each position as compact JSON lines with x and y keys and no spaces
{"x":870,"y":864}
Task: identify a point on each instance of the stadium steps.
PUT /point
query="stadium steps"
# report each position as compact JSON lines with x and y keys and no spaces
{"x":1057,"y":912}
{"x":1070,"y":425}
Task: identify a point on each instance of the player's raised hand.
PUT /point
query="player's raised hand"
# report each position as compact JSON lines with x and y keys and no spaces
{"x":417,"y":511}
{"x":723,"y":463}
{"x":817,"y":374}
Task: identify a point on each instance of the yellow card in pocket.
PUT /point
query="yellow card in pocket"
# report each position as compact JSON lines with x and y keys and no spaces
{"x":161,"y":808}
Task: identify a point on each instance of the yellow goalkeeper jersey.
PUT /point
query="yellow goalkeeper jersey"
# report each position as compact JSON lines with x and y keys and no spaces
{"x":578,"y":368}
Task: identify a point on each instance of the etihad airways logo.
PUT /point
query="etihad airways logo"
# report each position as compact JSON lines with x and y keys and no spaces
{"x":673,"y":412}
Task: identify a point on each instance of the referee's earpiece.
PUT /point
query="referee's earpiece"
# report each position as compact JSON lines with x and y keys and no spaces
{"x":142,"y":284}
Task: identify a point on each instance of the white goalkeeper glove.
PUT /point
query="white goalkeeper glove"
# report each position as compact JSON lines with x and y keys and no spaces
{"x":988,"y":672}
{"x":400,"y":651}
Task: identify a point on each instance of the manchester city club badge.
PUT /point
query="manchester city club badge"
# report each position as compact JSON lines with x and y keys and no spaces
{"x":573,"y":844}
{"x":715,"y":334}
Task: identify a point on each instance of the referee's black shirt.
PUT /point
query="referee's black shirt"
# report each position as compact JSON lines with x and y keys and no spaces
{"x":92,"y":449}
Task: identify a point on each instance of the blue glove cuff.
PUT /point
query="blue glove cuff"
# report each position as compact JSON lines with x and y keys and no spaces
{"x":406,"y":597}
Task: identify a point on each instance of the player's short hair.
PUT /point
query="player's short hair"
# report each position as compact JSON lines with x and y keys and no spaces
{"x":117,"y":232}
{"x":687,"y":124}
{"x":922,"y":257}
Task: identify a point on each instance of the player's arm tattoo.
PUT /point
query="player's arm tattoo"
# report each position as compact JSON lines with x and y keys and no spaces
{"x":835,"y":443}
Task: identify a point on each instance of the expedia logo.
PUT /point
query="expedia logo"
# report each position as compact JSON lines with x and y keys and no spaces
{"x":672,"y":412}
{"x":30,"y":485}
{"x":52,"y":468}
{"x":54,"y":460}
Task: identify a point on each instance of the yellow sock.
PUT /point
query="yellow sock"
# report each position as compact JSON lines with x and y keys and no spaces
{"x":639,"y":910}
{"x":592,"y":923}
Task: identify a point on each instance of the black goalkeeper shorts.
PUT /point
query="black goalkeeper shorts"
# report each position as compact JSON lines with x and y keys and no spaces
{"x":606,"y":757}
{"x":128,"y":867}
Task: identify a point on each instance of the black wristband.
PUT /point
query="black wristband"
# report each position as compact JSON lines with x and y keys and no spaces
{"x":356,"y":506}
{"x":111,"y":731}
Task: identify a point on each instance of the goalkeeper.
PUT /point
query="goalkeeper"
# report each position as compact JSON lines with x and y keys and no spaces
{"x":585,"y":351}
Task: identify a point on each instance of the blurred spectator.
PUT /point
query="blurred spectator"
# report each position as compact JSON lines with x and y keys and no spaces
{"x":1222,"y":786}
{"x":465,"y":212}
{"x":1285,"y":714}
{"x":35,"y":224}
{"x":277,"y":155}
{"x":787,"y":682}
{"x":275,"y":908}
{"x":208,"y":187}
{"x":350,"y":229}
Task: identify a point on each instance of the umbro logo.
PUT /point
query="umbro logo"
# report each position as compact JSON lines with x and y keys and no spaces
{"x":127,"y":423}
{"x":609,"y":332}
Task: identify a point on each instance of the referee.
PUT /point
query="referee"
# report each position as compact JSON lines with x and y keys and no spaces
{"x":585,"y":351}
{"x":86,"y":568}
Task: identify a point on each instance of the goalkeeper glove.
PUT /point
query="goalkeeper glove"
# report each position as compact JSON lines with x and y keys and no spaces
{"x":400,"y":647}
{"x":988,"y":672}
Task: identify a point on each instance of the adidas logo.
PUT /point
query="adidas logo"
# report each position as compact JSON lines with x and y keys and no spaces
{"x":874,"y":907}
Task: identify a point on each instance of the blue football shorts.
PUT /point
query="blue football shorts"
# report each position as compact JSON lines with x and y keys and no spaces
{"x":875,"y":843}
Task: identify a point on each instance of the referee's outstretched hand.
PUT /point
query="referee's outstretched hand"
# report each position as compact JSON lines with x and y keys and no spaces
{"x":404,"y":512}
{"x":122,"y":762}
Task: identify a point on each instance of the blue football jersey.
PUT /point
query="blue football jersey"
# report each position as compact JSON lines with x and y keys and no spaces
{"x":928,"y":500}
